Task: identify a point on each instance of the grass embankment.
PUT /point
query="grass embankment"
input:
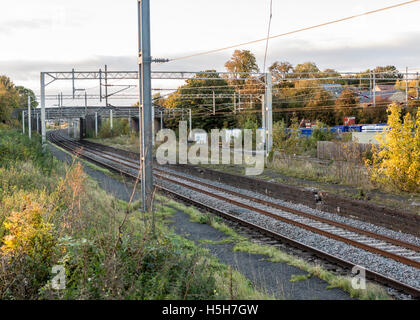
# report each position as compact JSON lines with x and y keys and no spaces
{"x":372,"y":291}
{"x":54,"y":215}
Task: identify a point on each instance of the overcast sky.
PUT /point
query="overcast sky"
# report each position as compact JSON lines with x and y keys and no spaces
{"x":52,"y":35}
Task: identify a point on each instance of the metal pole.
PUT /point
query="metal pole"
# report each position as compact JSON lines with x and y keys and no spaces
{"x":86,"y":103}
{"x":263,"y":118}
{"x":100,"y":85}
{"x":234,"y":102}
{"x":23,"y":122}
{"x":214,"y":104}
{"x":153,"y":124}
{"x":111,"y":119}
{"x":29,"y":118}
{"x":374,"y":89}
{"x":68,"y":127}
{"x":417,"y":85}
{"x":72,"y":80}
{"x":96,"y":124}
{"x":129,"y":119}
{"x":43,"y":128}
{"x":269,"y":110}
{"x":190,"y":117}
{"x":145,"y":61}
{"x":106,"y":85}
{"x":161,"y":120}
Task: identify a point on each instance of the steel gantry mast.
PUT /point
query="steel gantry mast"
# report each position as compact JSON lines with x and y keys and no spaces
{"x":145,"y":104}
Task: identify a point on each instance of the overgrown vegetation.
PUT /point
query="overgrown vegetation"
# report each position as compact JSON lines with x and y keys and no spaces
{"x":120,"y":127}
{"x":52,"y":214}
{"x":290,"y":141}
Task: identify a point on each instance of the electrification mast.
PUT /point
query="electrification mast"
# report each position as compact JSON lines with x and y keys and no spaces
{"x":145,"y":104}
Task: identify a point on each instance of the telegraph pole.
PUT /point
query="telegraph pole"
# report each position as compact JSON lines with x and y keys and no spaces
{"x":145,"y":105}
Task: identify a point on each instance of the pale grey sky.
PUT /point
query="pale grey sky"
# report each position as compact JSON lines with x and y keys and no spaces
{"x":60,"y":34}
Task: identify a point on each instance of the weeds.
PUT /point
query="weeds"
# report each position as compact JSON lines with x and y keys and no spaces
{"x":108,"y":249}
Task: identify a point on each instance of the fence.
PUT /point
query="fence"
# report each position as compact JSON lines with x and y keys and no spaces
{"x":352,"y":151}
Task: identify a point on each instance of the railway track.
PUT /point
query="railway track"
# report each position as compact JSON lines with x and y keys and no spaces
{"x":403,"y":252}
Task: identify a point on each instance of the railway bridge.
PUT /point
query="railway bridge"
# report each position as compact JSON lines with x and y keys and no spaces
{"x":84,"y":120}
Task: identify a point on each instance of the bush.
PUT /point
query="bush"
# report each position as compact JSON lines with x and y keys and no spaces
{"x":120,"y":127}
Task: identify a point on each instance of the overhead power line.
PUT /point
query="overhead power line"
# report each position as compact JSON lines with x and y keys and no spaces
{"x":296,"y":31}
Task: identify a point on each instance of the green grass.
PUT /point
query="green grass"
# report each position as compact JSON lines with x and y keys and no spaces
{"x":242,"y":244}
{"x":300,"y":277}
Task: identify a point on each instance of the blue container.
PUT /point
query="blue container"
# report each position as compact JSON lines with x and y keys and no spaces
{"x":306,"y":132}
{"x":355,"y":128}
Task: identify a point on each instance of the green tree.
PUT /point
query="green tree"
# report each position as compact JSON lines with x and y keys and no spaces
{"x":188,"y":97}
{"x":23,"y":97}
{"x":390,"y":72}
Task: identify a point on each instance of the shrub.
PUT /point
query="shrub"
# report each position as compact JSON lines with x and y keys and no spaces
{"x":28,"y":233}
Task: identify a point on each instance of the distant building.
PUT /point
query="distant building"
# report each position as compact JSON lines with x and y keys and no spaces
{"x":334,"y":89}
{"x":367,"y":97}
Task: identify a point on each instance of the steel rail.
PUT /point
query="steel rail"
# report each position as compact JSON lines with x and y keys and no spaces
{"x":347,"y":227}
{"x":355,"y":243}
{"x":71,"y":146}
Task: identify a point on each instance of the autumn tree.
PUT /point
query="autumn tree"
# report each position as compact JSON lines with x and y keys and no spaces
{"x":280,"y":69}
{"x":374,"y":113}
{"x":346,"y":105}
{"x":309,"y":69}
{"x":396,"y":161}
{"x":320,"y":101}
{"x":242,"y":61}
{"x":9,"y":98}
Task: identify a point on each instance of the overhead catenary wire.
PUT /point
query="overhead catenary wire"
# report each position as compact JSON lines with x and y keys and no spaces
{"x":268,"y":34}
{"x":296,"y":31}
